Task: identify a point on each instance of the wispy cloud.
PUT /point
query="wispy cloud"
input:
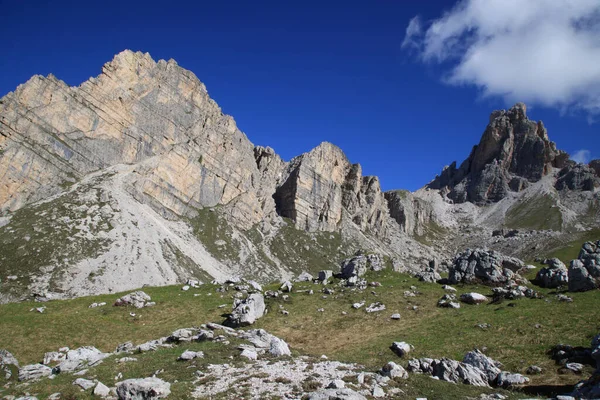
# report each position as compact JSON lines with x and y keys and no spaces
{"x":542,"y":52}
{"x":582,"y":156}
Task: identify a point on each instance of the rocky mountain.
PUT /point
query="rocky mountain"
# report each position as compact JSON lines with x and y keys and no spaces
{"x":127,"y":180}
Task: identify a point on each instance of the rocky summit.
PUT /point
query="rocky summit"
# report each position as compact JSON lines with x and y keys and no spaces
{"x":164,"y":255}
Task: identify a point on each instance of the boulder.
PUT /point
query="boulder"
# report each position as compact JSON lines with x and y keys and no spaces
{"x":584,"y":272}
{"x":325,"y":275}
{"x":375,"y":307}
{"x":249,"y":354}
{"x":143,"y":389}
{"x":473,"y":298}
{"x":33,"y":372}
{"x":479,"y":360}
{"x":428,"y":275}
{"x":305,"y":277}
{"x":354,"y":266}
{"x":137,"y":299}
{"x":448,"y":301}
{"x":488,"y":267}
{"x":286,"y":287}
{"x":85,"y":384}
{"x":393,"y":370}
{"x":101,"y":390}
{"x":264,"y":341}
{"x":508,"y":379}
{"x":449,"y":370}
{"x":246,"y":312}
{"x":401,"y":348}
{"x":190,"y":355}
{"x":554,"y":275}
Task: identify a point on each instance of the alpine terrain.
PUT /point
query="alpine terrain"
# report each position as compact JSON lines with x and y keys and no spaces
{"x":149,"y":250}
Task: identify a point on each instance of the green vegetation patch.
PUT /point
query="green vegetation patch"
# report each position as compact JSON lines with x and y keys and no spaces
{"x":537,"y":213}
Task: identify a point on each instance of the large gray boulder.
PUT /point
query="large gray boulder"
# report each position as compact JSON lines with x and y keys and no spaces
{"x":143,"y":389}
{"x":137,"y":299}
{"x":555,"y":274}
{"x":479,"y":360}
{"x":247,"y":311}
{"x":488,"y":267}
{"x":508,"y":379}
{"x":263,"y":341}
{"x":584,"y":273}
{"x":457,"y":372}
{"x":80,"y":358}
{"x":354,"y":266}
{"x":33,"y":372}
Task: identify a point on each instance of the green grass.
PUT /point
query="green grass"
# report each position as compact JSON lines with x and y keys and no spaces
{"x":570,"y":250}
{"x":536,"y":213}
{"x":357,"y":336}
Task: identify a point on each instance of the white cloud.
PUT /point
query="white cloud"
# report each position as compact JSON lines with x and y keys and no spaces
{"x":543,"y":52}
{"x":582,"y":156}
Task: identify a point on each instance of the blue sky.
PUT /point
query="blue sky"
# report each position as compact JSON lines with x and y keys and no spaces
{"x":294,"y":74}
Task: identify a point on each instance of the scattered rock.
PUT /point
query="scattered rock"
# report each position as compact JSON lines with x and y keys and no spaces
{"x":507,"y":379}
{"x":249,"y":354}
{"x":533,"y":370}
{"x":286,"y":287}
{"x":375,"y":307}
{"x":33,"y":372}
{"x":101,"y":390}
{"x":143,"y":389}
{"x":85,"y":384}
{"x":305,"y":277}
{"x":336,"y":384}
{"x":190,"y":355}
{"x":246,"y":312}
{"x":137,"y":299}
{"x":555,"y":274}
{"x":448,"y":301}
{"x":473,"y":298}
{"x":395,"y":316}
{"x":393,"y":370}
{"x":489,"y":267}
{"x":401,"y":348}
{"x":479,"y":360}
{"x":325,"y":275}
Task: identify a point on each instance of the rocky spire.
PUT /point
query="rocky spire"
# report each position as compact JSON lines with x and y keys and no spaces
{"x":513,"y":152}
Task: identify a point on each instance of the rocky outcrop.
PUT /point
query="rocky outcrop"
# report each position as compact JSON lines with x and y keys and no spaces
{"x":483,"y":266}
{"x":513,"y":152}
{"x":411,"y":213}
{"x":584,"y":273}
{"x":554,"y":275}
{"x":321,"y":185}
{"x":579,"y":177}
{"x":246,"y":312}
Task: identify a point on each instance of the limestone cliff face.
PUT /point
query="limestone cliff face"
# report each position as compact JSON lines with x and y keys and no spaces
{"x":137,"y":111}
{"x":320,"y":186}
{"x":411,"y":213}
{"x":513,"y":152}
